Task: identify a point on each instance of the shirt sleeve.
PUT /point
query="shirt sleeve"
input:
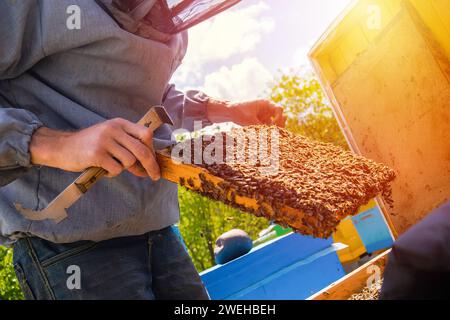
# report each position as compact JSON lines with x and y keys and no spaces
{"x":16,"y":128}
{"x":20,"y":49}
{"x":187,"y":109}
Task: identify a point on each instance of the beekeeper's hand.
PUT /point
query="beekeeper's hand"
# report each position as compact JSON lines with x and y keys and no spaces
{"x":114,"y":145}
{"x":246,"y":113}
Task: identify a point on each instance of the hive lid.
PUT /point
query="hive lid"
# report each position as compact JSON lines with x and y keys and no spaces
{"x":385,"y":66}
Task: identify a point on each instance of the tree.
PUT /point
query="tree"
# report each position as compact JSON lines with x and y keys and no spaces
{"x":9,"y":285}
{"x":204,"y":220}
{"x":308,"y":110}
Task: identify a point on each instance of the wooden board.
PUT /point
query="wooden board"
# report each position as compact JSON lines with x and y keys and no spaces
{"x":354,"y":282}
{"x":406,"y":123}
{"x":175,"y":172}
{"x":393,"y":103}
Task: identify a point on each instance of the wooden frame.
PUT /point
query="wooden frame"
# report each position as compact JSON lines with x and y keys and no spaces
{"x":354,"y":282}
{"x":193,"y":178}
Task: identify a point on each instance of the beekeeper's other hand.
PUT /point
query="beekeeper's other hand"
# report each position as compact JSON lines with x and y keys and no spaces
{"x":246,"y":113}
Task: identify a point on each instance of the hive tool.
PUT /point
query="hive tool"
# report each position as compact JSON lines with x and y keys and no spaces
{"x":57,"y":209}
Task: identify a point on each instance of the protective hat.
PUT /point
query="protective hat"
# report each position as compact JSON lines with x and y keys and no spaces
{"x":174,"y":16}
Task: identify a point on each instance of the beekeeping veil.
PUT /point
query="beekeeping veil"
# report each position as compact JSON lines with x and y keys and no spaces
{"x":173,"y":16}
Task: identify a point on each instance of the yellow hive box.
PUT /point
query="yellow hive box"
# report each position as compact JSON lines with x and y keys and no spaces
{"x":347,"y":233}
{"x":385,"y":66}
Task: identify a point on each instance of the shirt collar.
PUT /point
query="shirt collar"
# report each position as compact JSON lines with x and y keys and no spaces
{"x":132,"y":18}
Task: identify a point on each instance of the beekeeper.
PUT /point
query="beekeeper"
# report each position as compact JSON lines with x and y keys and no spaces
{"x":71,"y":89}
{"x":418,"y":266}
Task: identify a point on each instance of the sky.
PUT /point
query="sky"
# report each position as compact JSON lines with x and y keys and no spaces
{"x":237,"y":54}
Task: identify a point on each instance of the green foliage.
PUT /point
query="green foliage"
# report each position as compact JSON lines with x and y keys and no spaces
{"x":204,"y":220}
{"x":308,"y":110}
{"x":9,"y":285}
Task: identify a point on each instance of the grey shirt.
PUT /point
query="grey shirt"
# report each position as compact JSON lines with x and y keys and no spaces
{"x":72,"y":79}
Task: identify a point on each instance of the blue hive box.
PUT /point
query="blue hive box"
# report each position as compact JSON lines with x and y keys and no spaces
{"x":373,"y":230}
{"x":290,"y":267}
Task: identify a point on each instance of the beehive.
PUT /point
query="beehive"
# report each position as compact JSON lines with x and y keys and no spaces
{"x":385,"y":66}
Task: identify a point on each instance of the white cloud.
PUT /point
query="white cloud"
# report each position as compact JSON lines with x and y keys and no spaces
{"x":229,"y":34}
{"x":300,"y":57}
{"x":243,"y":81}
